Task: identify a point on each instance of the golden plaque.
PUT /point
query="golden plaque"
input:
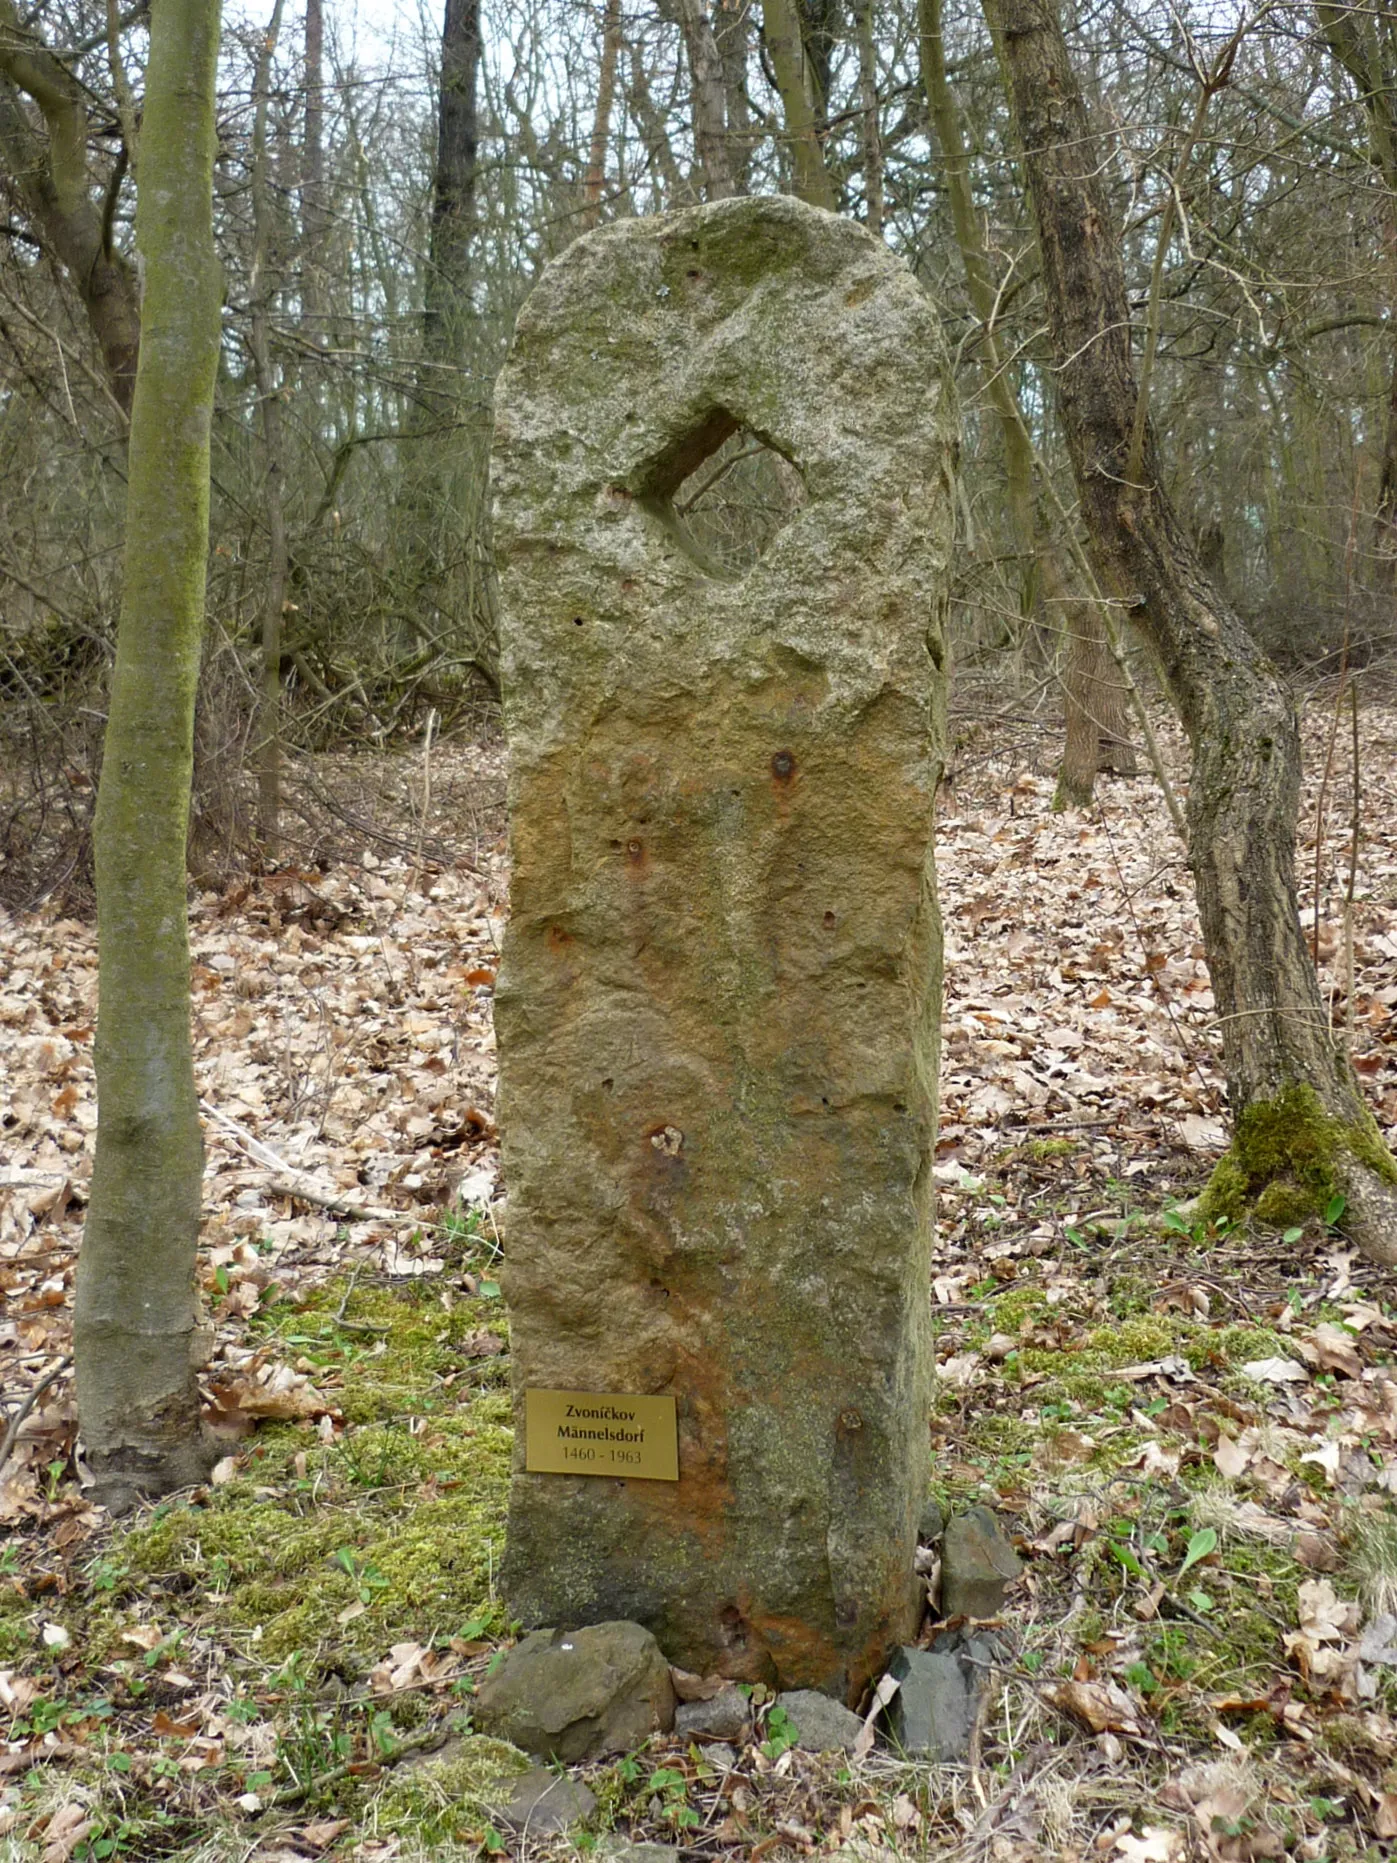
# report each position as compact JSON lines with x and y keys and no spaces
{"x":599,"y":1433}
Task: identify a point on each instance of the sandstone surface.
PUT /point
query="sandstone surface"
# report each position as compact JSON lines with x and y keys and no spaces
{"x":717,"y":1007}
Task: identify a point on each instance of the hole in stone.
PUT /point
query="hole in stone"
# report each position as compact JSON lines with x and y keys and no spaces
{"x":737,"y":500}
{"x":577,"y":621}
{"x":829,"y":921}
{"x":608,"y":1084}
{"x":722,"y":492}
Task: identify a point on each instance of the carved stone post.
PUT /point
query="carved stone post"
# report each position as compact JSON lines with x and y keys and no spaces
{"x":718,"y":1006}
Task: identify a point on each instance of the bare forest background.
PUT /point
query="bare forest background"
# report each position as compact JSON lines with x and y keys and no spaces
{"x":380,"y":215}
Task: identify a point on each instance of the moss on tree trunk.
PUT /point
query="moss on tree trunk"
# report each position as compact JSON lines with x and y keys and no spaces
{"x":136,"y":1309}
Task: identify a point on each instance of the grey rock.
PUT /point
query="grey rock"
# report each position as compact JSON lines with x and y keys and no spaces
{"x":718,"y":997}
{"x":932,"y":1523}
{"x":821,"y":1725}
{"x":726,"y":1717}
{"x":977,"y":1566}
{"x":614,"y":1850}
{"x":578,"y":1694}
{"x":544,"y":1801}
{"x":720,"y":1756}
{"x":932,"y":1714}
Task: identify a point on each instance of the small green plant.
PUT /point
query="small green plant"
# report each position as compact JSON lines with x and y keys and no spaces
{"x":1200,"y":1231}
{"x":1202,"y":1543}
{"x":672,"y":1790}
{"x":103,"y":1574}
{"x":781,"y":1733}
{"x":368,"y":1580}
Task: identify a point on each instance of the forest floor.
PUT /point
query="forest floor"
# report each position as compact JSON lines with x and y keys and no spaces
{"x":1192,"y":1437}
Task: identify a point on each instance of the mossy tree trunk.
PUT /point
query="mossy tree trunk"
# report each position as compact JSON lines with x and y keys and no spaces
{"x":136,"y":1311}
{"x":1301,"y":1130}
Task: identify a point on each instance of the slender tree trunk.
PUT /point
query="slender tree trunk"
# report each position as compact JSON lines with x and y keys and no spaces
{"x":1363,"y":40}
{"x":445,"y":528}
{"x":594,"y":182}
{"x":1385,"y":515}
{"x":708,"y":109}
{"x":1301,"y":1130}
{"x":654,"y":134}
{"x":136,"y":1310}
{"x":811,"y":180}
{"x":314,"y":218}
{"x":262,"y":290}
{"x":447,"y":314}
{"x":1095,"y":711}
{"x":1095,"y":708}
{"x":870,"y":130}
{"x":732,"y":28}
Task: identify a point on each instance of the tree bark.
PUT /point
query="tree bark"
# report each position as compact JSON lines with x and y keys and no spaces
{"x":594,"y":182}
{"x":708,"y":108}
{"x":811,"y":179}
{"x":262,"y":291}
{"x":447,"y":304}
{"x":1301,"y":1130}
{"x":1363,"y":40}
{"x":870,"y":130}
{"x":1095,"y":711}
{"x":136,"y":1309}
{"x":314,"y":217}
{"x":62,"y":196}
{"x":732,"y":28}
{"x":1095,"y":708}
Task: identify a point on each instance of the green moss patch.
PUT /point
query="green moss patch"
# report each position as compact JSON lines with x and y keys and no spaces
{"x":1285,"y":1163}
{"x":393,"y":1531}
{"x":448,"y":1798}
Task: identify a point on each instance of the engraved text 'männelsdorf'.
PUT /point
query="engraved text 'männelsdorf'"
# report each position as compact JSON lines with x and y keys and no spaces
{"x":601,"y":1436}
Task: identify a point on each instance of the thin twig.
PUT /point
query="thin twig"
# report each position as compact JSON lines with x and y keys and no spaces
{"x":17,"y":1420}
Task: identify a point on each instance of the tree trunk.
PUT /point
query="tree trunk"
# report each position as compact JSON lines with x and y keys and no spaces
{"x":1095,"y":708}
{"x":594,"y":182}
{"x":732,"y":28}
{"x":811,"y":180}
{"x":1301,"y":1131}
{"x":262,"y":290}
{"x":1094,"y":704}
{"x":447,"y":308}
{"x":870,"y":130}
{"x":445,"y":507}
{"x":61,"y":195}
{"x":709,"y":105}
{"x":654,"y":134}
{"x":136,"y":1311}
{"x":1363,"y":40}
{"x":314,"y":218}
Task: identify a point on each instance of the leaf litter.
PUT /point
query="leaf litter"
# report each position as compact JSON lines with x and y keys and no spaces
{"x":1190,"y":1435}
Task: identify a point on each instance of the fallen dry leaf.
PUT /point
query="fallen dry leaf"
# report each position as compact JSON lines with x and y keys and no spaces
{"x":1156,"y":1844}
{"x":1276,"y":1371}
{"x":1101,"y":1706}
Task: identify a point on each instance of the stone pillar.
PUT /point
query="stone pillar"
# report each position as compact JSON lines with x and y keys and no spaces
{"x":718,"y":1005}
